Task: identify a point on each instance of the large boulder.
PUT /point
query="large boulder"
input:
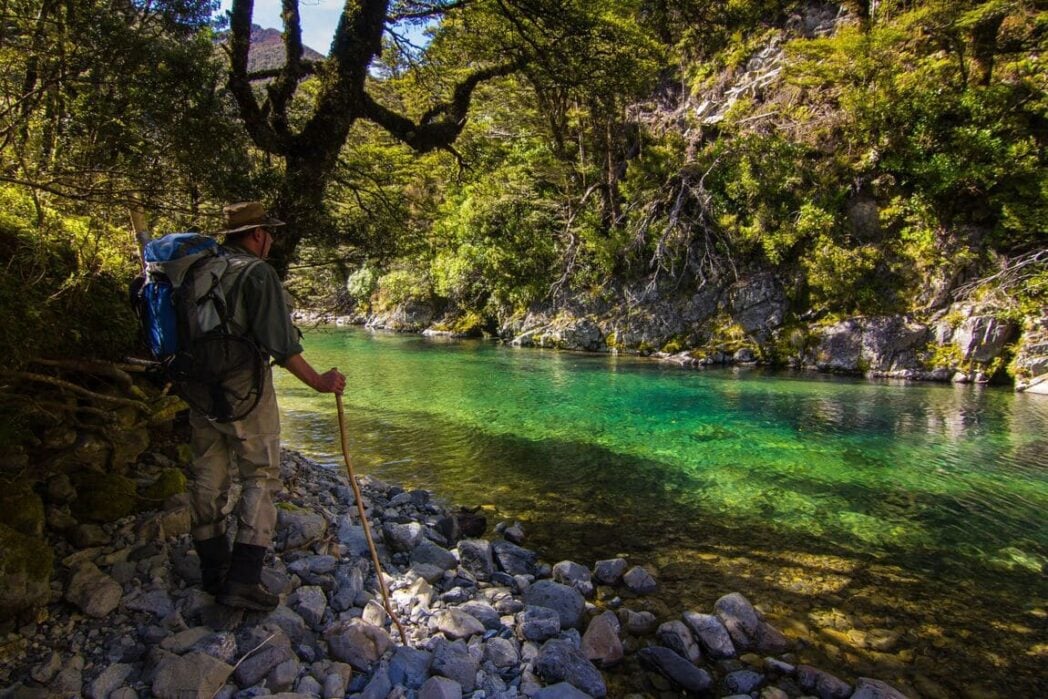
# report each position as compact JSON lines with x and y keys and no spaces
{"x":839,"y":347}
{"x":103,"y":497}
{"x":1031,"y":358}
{"x":22,"y":509}
{"x":982,"y":338}
{"x":413,"y":315}
{"x":758,"y":305}
{"x":892,"y":344}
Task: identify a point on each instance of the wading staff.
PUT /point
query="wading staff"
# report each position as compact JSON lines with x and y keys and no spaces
{"x":364,"y":518}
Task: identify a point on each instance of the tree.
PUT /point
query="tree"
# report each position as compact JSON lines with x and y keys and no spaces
{"x":310,"y":151}
{"x":492,"y":38}
{"x":102,"y":102}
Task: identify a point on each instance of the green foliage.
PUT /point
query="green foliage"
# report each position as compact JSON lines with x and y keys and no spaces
{"x":403,"y":284}
{"x":65,"y":290}
{"x":362,"y":284}
{"x":843,"y":277}
{"x":497,"y":242}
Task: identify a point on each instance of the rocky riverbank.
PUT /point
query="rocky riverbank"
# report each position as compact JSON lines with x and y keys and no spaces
{"x":746,"y":326}
{"x":483,"y":617}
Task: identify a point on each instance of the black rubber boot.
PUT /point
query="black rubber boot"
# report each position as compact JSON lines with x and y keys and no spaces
{"x":243,"y":587}
{"x":214,"y":562}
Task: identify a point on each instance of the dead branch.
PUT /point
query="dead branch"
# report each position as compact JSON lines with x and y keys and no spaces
{"x":1015,"y":272}
{"x":95,"y":367}
{"x":80,"y":390}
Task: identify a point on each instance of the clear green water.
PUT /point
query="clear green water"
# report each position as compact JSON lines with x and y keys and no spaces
{"x":720,"y":478}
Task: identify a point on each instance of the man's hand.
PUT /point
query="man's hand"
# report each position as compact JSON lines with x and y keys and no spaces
{"x":331,"y":381}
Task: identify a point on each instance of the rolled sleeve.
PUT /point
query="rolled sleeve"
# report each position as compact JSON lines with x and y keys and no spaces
{"x":268,"y":315}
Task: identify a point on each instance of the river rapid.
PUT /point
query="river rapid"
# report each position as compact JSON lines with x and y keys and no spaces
{"x":892,"y":530}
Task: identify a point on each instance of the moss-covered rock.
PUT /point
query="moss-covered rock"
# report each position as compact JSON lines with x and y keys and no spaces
{"x":128,"y":445}
{"x":171,"y":482}
{"x":25,"y":571}
{"x":103,"y":497}
{"x":21,"y":508}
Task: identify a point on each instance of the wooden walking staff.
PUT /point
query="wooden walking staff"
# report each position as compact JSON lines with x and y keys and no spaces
{"x":364,"y":518}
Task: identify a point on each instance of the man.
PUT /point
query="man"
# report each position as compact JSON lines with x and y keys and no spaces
{"x":252,"y":444}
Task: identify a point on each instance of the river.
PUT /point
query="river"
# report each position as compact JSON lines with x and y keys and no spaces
{"x":892,"y":530}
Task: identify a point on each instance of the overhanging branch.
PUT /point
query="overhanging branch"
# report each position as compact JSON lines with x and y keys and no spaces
{"x":441,"y":125}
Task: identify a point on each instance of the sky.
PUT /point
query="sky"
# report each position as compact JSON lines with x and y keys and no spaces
{"x":319,"y":18}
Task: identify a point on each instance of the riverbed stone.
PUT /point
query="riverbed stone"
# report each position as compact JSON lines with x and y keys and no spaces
{"x":440,"y":688}
{"x":288,"y":621}
{"x":639,"y":581}
{"x":483,"y":612}
{"x":610,"y":571}
{"x":378,"y":687}
{"x":409,"y":666}
{"x":94,"y":592}
{"x":356,"y":642}
{"x":298,"y":528}
{"x":309,"y":602}
{"x":429,"y":553}
{"x":403,"y":537}
{"x":739,"y":618}
{"x":601,"y":643}
{"x":676,"y":669}
{"x":476,"y":556}
{"x":566,"y":601}
{"x":560,"y":690}
{"x":676,"y":636}
{"x":194,"y":674}
{"x":514,"y":559}
{"x":536,"y":623}
{"x":866,"y":688}
{"x":155,"y":602}
{"x":455,"y":624}
{"x":349,"y":583}
{"x":638,"y":623}
{"x":743,"y":681}
{"x":821,"y":683}
{"x":574,"y":575}
{"x":182,"y":641}
{"x":560,"y":661}
{"x":108,"y":680}
{"x":711,"y":634}
{"x":253,"y":668}
{"x":282,"y":677}
{"x":453,"y":660}
{"x":501,"y":652}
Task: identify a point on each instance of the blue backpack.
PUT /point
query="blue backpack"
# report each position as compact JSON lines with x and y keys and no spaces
{"x":185,"y":301}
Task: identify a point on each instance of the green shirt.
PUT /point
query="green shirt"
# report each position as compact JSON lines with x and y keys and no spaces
{"x":263,"y":310}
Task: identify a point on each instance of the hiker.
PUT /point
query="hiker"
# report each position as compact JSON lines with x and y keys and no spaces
{"x":252,"y":443}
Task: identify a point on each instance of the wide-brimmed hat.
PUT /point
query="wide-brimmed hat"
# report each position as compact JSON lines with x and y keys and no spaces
{"x":245,"y":215}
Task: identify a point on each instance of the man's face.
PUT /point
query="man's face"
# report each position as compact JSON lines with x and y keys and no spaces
{"x":267,"y":242}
